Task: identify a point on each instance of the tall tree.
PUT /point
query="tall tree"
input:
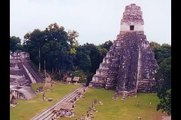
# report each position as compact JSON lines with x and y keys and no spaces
{"x":162,"y":52}
{"x":35,"y":40}
{"x":83,"y":60}
{"x":164,"y":91}
{"x":15,"y":43}
{"x":95,"y":56}
{"x":51,"y":45}
{"x":154,"y":45}
{"x":104,"y":48}
{"x":107,"y":45}
{"x":163,"y":76}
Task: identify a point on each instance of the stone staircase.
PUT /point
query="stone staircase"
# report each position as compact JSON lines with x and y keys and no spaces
{"x":35,"y":73}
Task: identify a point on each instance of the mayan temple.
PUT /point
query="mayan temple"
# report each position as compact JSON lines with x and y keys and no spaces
{"x":22,"y":74}
{"x":129,"y":66}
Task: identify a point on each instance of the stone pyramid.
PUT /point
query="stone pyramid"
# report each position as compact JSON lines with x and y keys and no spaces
{"x":22,"y":70}
{"x":129,"y":66}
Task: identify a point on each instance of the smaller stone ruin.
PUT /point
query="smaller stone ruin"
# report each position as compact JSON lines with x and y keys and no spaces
{"x":22,"y":74}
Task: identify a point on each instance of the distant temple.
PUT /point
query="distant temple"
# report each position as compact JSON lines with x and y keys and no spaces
{"x":22,"y":74}
{"x":129,"y":66}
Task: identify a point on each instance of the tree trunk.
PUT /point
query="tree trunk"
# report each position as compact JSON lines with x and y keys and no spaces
{"x":39,"y":61}
{"x":52,"y":70}
{"x":45,"y":67}
{"x":55,"y":69}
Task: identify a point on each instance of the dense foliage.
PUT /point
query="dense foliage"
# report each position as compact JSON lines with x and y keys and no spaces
{"x":15,"y":43}
{"x":52,"y":47}
{"x":163,"y":57}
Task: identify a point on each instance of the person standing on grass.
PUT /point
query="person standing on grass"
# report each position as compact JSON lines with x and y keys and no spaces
{"x":43,"y":96}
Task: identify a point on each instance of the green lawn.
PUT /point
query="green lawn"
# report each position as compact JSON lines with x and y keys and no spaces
{"x":118,"y":110}
{"x":110,"y":110}
{"x":26,"y":109}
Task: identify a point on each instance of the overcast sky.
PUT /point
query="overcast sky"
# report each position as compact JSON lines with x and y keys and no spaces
{"x":96,"y":21}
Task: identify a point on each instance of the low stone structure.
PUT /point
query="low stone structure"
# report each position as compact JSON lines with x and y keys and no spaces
{"x":72,"y":80}
{"x":76,"y":80}
{"x":69,"y":80}
{"x":22,"y":92}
